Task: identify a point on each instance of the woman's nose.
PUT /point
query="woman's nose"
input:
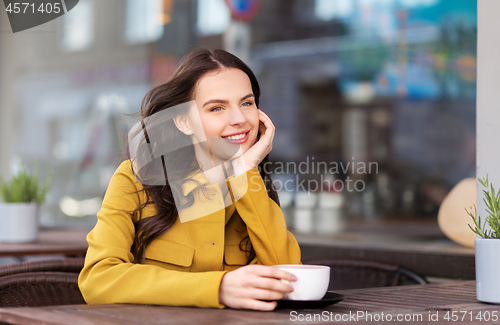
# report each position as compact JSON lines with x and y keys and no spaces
{"x":237,"y":116}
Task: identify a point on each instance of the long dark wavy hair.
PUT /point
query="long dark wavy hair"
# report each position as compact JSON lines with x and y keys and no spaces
{"x":177,"y":90}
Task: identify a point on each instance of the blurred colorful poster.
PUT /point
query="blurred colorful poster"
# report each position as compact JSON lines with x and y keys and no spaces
{"x":417,"y":48}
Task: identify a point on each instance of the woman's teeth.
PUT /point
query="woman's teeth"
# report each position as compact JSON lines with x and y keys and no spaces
{"x":236,"y":137}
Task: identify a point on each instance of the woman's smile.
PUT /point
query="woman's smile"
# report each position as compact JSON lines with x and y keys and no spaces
{"x":237,"y":138}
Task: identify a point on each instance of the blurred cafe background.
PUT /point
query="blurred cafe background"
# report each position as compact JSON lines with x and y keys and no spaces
{"x":385,"y":84}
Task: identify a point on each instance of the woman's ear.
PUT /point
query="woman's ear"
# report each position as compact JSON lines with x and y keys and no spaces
{"x":182,"y":123}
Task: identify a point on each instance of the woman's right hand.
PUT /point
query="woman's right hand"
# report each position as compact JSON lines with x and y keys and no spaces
{"x":248,"y":287}
{"x":259,"y":150}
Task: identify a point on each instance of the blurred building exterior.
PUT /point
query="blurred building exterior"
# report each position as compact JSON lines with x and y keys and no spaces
{"x":389,"y":82}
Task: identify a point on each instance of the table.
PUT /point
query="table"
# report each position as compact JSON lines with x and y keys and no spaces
{"x":429,"y":303}
{"x":69,"y":242}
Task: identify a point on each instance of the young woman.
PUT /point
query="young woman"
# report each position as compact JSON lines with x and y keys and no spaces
{"x":192,"y":219}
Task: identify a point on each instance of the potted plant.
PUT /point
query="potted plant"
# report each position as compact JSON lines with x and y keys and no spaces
{"x":487,"y":245}
{"x":19,"y":210}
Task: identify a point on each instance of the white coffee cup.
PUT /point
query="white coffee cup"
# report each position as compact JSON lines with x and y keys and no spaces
{"x":312,"y":281}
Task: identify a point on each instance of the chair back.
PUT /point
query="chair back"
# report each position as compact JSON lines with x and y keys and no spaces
{"x":41,"y":283}
{"x":357,"y":274}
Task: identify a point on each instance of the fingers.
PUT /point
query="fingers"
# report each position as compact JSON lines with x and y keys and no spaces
{"x":255,"y":300}
{"x":265,"y":282}
{"x":262,"y":305}
{"x":273,"y":272}
{"x":267,"y":130}
{"x":254,"y":287}
{"x":267,"y":123}
{"x":262,"y":128}
{"x":256,"y":304}
{"x":265,"y":117}
{"x":270,"y":284}
{"x":260,"y":149}
{"x":262,"y":294}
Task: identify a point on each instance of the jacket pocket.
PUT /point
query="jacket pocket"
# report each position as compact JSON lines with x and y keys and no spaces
{"x":170,"y":255}
{"x":234,"y":256}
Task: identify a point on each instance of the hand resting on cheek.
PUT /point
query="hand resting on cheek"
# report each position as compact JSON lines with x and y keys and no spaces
{"x":255,"y":154}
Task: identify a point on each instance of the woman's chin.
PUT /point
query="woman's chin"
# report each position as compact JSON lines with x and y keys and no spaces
{"x":221,"y":156}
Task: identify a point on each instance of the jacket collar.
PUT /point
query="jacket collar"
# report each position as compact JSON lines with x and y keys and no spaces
{"x":199,"y":178}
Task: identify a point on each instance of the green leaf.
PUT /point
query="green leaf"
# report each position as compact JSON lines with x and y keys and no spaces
{"x":24,"y":187}
{"x":492,"y":201}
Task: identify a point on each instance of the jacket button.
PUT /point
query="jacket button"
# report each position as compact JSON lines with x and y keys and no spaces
{"x":209,"y":243}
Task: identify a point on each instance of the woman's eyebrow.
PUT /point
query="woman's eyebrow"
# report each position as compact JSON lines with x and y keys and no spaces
{"x":223,"y":101}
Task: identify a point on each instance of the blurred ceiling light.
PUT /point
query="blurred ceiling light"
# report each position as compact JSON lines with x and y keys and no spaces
{"x":75,"y":208}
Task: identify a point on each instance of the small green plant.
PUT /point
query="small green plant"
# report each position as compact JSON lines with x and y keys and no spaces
{"x":24,"y":187}
{"x":492,"y":201}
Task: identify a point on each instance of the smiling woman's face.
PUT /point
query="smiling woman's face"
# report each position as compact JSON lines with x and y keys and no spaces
{"x":226,"y":106}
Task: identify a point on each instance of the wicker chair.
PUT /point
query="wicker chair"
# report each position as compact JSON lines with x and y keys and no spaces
{"x":41,"y":283}
{"x":356,"y":274}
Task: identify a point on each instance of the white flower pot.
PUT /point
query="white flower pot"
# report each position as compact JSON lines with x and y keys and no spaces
{"x":18,"y":222}
{"x":487,"y":267}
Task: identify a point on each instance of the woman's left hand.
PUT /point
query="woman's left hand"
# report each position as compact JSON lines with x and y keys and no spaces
{"x":255,"y":154}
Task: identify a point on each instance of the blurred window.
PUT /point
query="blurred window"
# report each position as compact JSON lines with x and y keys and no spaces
{"x":78,"y":27}
{"x":144,"y":21}
{"x":213,"y":17}
{"x":328,"y":9}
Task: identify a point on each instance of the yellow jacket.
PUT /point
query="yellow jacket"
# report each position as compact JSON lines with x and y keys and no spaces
{"x":185,"y":265}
